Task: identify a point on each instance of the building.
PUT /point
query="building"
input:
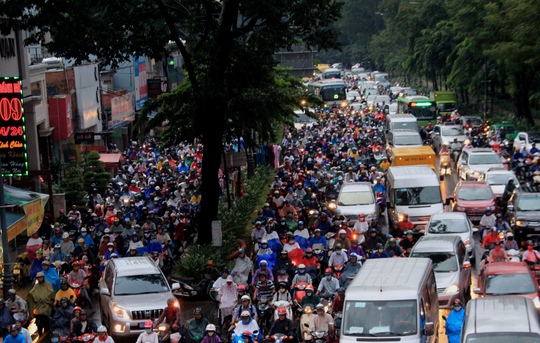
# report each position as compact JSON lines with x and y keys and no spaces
{"x":299,"y":59}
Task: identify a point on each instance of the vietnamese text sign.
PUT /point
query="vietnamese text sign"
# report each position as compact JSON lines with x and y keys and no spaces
{"x":84,"y":137}
{"x":12,"y":128}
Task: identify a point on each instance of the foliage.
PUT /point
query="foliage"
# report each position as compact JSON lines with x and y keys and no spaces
{"x":72,"y":185}
{"x":95,"y":175}
{"x":233,"y":225}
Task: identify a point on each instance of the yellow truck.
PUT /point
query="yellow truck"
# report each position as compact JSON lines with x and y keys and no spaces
{"x":414,"y":156}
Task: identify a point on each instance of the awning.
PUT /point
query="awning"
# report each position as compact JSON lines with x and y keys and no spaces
{"x":33,"y":205}
{"x":111,"y":160}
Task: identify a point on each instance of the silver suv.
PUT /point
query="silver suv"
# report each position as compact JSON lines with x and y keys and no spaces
{"x":474,"y":162}
{"x":132,"y":290}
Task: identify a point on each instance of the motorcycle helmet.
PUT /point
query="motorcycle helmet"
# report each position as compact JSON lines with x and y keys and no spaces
{"x":529,"y":242}
{"x":241,"y":288}
{"x":77,"y":308}
{"x":309,"y":288}
{"x":197,"y":310}
{"x":12,"y":292}
{"x":148,"y":324}
{"x":280,"y":272}
{"x":102,"y":329}
{"x":341,"y":291}
{"x":282,"y":311}
{"x":14,"y":327}
{"x":245,"y":314}
{"x":210,"y":327}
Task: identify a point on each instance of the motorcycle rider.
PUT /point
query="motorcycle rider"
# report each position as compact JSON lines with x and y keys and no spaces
{"x":227,"y":296}
{"x":497,"y":254}
{"x":83,"y":325}
{"x":15,"y":300}
{"x":338,"y":256}
{"x":531,"y":256}
{"x":40,"y":303}
{"x":407,"y":243}
{"x":247,"y":324}
{"x":148,"y":335}
{"x":328,"y":285}
{"x":373,"y":240}
{"x":310,"y":298}
{"x":14,"y":336}
{"x":394,"y":248}
{"x":491,"y":239}
{"x":171,"y":315}
{"x":80,"y":276}
{"x":211,"y":336}
{"x":221,"y":280}
{"x":196,"y":326}
{"x":455,"y":147}
{"x":487,"y":221}
{"x":6,"y":319}
{"x":245,"y":306}
{"x":337,"y":303}
{"x":455,"y":321}
{"x":342,"y":240}
{"x":323,"y":321}
{"x":510,"y":242}
{"x":62,"y":317}
{"x":301,"y":275}
{"x":263,"y":268}
{"x":102,"y":336}
{"x":282,"y":325}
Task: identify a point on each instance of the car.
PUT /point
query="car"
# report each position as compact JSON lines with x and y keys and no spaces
{"x":455,"y":224}
{"x":402,"y":139}
{"x":510,"y":131}
{"x":472,"y":198}
{"x":524,"y":212}
{"x":527,"y":139}
{"x":370,"y":98}
{"x":358,"y":198}
{"x":497,"y":179}
{"x":132,"y":290}
{"x":507,"y":278}
{"x":473,"y":162}
{"x":451,"y":264}
{"x":353,"y":96}
{"x":445,"y":135}
{"x":476,"y":121}
{"x":392,"y":108}
{"x":379,"y":99}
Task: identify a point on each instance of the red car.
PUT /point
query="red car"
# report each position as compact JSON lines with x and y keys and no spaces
{"x":473,"y":198}
{"x":507,"y":278}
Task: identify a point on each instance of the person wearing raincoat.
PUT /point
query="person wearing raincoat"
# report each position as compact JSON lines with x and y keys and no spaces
{"x":455,"y":321}
{"x":51,"y":275}
{"x":242,"y":268}
{"x":40,"y":303}
{"x":227,"y":296}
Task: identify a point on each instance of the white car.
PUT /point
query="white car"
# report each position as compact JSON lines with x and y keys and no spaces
{"x":453,"y":223}
{"x":353,"y":96}
{"x":526,"y":139}
{"x":497,"y":179}
{"x":474,"y":162}
{"x":392,"y":108}
{"x":445,"y":135}
{"x":357,"y":198}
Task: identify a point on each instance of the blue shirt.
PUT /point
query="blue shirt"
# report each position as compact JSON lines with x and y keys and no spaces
{"x":382,"y":255}
{"x":17,"y":339}
{"x":321,"y":240}
{"x":87,"y":240}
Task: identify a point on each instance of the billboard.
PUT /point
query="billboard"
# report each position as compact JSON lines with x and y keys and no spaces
{"x":121,"y":110}
{"x":12,"y":128}
{"x":141,"y":86}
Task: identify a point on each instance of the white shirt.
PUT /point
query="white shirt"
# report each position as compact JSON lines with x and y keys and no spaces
{"x":488,"y":221}
{"x":147,"y":337}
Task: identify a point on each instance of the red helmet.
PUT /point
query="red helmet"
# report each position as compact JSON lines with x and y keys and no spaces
{"x":77,"y":308}
{"x":309,"y":250}
{"x":310,"y":288}
{"x":148,"y":324}
{"x":328,"y":271}
{"x":281,"y":311}
{"x":241,"y":288}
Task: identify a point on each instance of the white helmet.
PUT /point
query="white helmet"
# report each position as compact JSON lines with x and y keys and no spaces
{"x":210,"y":327}
{"x":102,"y":328}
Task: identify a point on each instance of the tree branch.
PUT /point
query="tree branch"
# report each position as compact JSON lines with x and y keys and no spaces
{"x":245,"y":28}
{"x":206,"y":31}
{"x":183,"y":51}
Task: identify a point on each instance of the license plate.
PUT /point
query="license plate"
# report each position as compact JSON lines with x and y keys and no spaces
{"x":537,"y":229}
{"x":141,"y":325}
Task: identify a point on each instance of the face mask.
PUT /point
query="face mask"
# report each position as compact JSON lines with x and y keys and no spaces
{"x":83,"y":233}
{"x":154,"y":241}
{"x":329,"y":277}
{"x":338,"y":252}
{"x":282,"y":290}
{"x":380,"y":250}
{"x":264,"y":246}
{"x":291,"y":241}
{"x":510,"y":238}
{"x":110,"y":249}
{"x":148,"y":330}
{"x":54,"y":340}
{"x":457,"y":308}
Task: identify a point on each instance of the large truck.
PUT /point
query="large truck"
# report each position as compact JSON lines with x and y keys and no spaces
{"x":414,"y":156}
{"x":445,"y":100}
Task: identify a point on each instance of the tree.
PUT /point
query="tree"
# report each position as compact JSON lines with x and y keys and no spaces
{"x":95,"y":175}
{"x":72,"y":185}
{"x":227,"y":47}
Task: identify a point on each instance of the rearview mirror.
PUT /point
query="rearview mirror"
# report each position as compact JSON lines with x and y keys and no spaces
{"x":105,"y":291}
{"x":477,"y":291}
{"x":474,"y":229}
{"x":429,"y":329}
{"x":175,"y":286}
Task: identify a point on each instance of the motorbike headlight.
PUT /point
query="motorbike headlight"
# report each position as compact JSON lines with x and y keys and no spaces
{"x":522,"y":223}
{"x":453,"y":288}
{"x":162,"y":328}
{"x":400,"y":217}
{"x":344,"y":104}
{"x":476,"y":173}
{"x":120,"y":312}
{"x":536,"y":302}
{"x":332,"y":206}
{"x":467,"y":243}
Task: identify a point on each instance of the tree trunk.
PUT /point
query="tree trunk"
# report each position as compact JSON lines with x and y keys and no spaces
{"x":521,"y":97}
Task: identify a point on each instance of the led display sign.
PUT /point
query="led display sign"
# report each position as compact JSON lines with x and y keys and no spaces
{"x":12,"y":128}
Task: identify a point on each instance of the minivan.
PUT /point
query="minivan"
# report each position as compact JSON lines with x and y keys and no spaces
{"x":404,"y":121}
{"x":451,"y":265}
{"x":391,"y":299}
{"x":500,"y":320}
{"x":132,"y":290}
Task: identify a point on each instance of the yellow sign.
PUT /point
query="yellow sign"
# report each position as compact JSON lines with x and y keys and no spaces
{"x":17,"y":228}
{"x":34,"y":215}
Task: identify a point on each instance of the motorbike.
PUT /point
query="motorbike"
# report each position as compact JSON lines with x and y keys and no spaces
{"x":319,"y":336}
{"x":381,"y":201}
{"x":299,"y":291}
{"x":306,"y":318}
{"x":337,"y":322}
{"x":330,"y":239}
{"x":163,"y":332}
{"x":338,"y":270}
{"x":265,"y":314}
{"x":284,"y":304}
{"x":87,"y":337}
{"x":279,"y":337}
{"x":189,"y":289}
{"x":445,"y":165}
{"x":76,"y":286}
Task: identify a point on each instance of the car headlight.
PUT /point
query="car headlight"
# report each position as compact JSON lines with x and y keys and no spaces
{"x":120,"y":312}
{"x":476,"y":173}
{"x":344,"y":104}
{"x":467,"y":243}
{"x":453,"y":288}
{"x":461,"y":209}
{"x":522,"y":223}
{"x":536,"y":302}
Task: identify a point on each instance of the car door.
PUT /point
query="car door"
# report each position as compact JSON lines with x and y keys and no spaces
{"x":436,"y":138}
{"x":462,"y":165}
{"x":465,"y":268}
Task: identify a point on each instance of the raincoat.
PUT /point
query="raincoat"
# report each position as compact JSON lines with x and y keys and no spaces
{"x":454,"y":324}
{"x":241,"y":270}
{"x":41,"y":299}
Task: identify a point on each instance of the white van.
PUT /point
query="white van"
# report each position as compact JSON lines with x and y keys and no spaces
{"x":390,"y":300}
{"x":401,"y":121}
{"x":414,"y":191}
{"x":501,"y":319}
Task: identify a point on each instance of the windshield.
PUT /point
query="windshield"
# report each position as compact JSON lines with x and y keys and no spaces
{"x":331,"y":93}
{"x":351,"y":95}
{"x":446,"y":107}
{"x":371,"y":97}
{"x":408,"y":140}
{"x":332,"y":75}
{"x":381,"y":77}
{"x":405,"y":125}
{"x":418,"y":196}
{"x":448,"y":226}
{"x":355,"y":198}
{"x":508,"y":284}
{"x":443,"y":262}
{"x":503,"y":337}
{"x":140,"y":284}
{"x":452,"y":131}
{"x":529,"y":204}
{"x":423,"y":113}
{"x":475,"y":121}
{"x":471,"y":194}
{"x":380,"y":318}
{"x":484,"y":159}
{"x":500,"y":179}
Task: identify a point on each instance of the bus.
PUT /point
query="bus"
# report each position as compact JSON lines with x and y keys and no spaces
{"x":331,"y":73}
{"x":421,"y":107}
{"x":332,"y":92}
